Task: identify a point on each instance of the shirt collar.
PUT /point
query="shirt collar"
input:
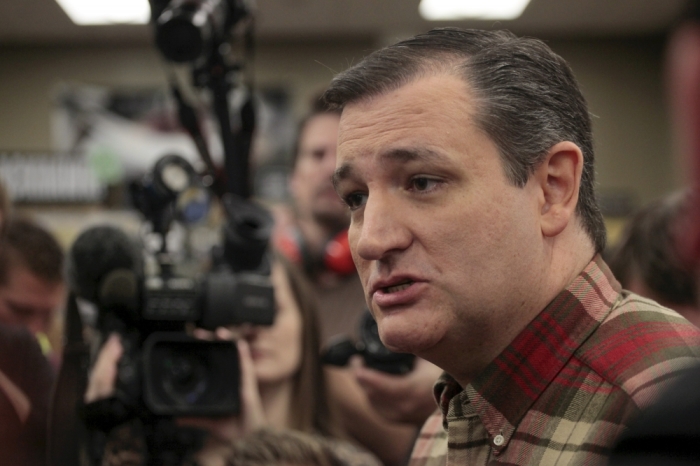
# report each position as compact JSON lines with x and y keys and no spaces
{"x":511,"y":383}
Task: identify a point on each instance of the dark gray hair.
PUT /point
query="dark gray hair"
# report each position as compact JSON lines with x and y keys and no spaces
{"x":527,"y":98}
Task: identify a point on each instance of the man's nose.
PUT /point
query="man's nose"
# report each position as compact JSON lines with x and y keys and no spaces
{"x":382,"y":230}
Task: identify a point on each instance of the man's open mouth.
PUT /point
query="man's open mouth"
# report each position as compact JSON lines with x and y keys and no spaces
{"x":399,"y":287}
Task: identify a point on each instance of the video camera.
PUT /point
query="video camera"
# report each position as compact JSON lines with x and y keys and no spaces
{"x":370,"y":347}
{"x":163,"y":370}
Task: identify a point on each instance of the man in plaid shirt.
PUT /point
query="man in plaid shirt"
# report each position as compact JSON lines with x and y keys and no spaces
{"x":466,"y":160}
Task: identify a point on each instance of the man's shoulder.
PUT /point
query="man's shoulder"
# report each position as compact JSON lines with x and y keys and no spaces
{"x":641,"y":347}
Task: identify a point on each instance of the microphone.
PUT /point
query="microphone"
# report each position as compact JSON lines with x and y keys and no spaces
{"x":104,"y":266}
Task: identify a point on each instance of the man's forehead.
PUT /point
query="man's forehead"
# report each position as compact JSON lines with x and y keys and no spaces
{"x":439,"y":96}
{"x":418,"y":111}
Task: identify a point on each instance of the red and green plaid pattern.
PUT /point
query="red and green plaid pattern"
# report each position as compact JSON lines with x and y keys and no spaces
{"x":567,"y":385}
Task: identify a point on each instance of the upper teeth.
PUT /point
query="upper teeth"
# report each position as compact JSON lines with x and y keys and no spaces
{"x":395,"y":288}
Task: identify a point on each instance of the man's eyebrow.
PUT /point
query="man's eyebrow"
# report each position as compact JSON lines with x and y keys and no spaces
{"x":399,"y":155}
{"x":409,"y":155}
{"x":341,"y":173}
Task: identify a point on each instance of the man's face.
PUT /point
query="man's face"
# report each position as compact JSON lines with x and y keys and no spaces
{"x":441,"y":239}
{"x":311,"y":184}
{"x":30,"y":301}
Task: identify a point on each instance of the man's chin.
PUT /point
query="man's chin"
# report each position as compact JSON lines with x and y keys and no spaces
{"x":407,"y":340}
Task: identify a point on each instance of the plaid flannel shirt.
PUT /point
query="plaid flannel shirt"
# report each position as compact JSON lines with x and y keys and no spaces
{"x":567,"y":385}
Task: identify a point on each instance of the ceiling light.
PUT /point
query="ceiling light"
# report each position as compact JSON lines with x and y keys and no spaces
{"x":435,"y":10}
{"x":100,"y":12}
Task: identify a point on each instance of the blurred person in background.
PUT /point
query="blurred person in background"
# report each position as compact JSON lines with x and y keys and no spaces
{"x":32,"y":287}
{"x":647,"y":261}
{"x":314,"y":235}
{"x":384,"y":411}
{"x":26,"y":380}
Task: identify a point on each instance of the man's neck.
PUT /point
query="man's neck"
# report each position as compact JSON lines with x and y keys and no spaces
{"x":561,"y":261}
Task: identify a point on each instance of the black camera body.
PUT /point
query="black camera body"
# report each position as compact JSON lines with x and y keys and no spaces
{"x":370,"y":347}
{"x":163,"y":371}
{"x":163,"y":368}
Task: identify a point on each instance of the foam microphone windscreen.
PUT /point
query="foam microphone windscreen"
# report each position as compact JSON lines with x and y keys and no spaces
{"x":97,"y":252}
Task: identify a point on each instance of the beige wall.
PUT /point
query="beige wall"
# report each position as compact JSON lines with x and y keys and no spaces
{"x":28,"y":75}
{"x":623,"y":83}
{"x":621,"y":79}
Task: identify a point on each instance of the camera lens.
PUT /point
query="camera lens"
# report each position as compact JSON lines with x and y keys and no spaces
{"x":185,"y":377}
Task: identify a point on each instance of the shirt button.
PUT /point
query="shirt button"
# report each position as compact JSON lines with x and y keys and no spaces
{"x":498,"y":440}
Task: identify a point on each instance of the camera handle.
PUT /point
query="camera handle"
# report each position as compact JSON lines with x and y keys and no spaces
{"x":236,"y":144}
{"x":215,"y":75}
{"x":66,"y":431}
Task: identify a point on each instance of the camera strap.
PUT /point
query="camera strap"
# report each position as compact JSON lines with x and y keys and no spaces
{"x":66,"y":430}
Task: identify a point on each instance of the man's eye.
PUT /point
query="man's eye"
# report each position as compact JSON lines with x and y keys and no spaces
{"x":355,"y":200}
{"x":422,"y":183}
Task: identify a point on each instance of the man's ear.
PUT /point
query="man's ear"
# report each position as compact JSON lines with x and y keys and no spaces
{"x":559,"y":178}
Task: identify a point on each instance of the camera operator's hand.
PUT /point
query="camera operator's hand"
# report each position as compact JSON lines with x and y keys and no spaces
{"x":103,"y":375}
{"x":404,"y":398}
